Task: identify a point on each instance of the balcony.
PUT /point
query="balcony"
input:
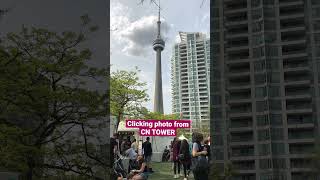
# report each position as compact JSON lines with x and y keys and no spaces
{"x":300,"y":133}
{"x":242,"y":151}
{"x":241,"y":124}
{"x":289,"y":2}
{"x":301,"y":148}
{"x":293,"y":36}
{"x":236,"y":31}
{"x":239,"y":82}
{"x":298,"y":93}
{"x":294,"y":104}
{"x":296,"y":77}
{"x":300,"y":119}
{"x":241,"y":136}
{"x":292,"y":23}
{"x":291,"y":10}
{"x":233,"y":5}
{"x":301,"y":163}
{"x":293,"y":49}
{"x":287,"y":65}
{"x":238,"y":55}
{"x":237,"y":43}
{"x":243,"y":165}
{"x":239,"y":96}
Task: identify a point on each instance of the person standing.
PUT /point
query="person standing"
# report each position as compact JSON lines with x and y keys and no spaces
{"x":114,"y":148}
{"x":147,"y":153}
{"x":134,"y":145}
{"x":198,"y":155}
{"x":175,"y":159}
{"x":185,"y":157}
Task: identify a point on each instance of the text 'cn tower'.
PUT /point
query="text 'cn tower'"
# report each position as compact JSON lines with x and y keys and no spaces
{"x":158,"y":46}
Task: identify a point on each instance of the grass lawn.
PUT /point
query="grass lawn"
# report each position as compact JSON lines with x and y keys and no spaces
{"x":163,"y":171}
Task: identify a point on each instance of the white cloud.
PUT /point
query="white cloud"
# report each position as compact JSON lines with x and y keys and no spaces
{"x":139,"y":35}
{"x":134,"y":37}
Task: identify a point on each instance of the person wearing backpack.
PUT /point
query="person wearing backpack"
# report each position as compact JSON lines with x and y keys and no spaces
{"x":185,"y":157}
{"x":199,"y":161}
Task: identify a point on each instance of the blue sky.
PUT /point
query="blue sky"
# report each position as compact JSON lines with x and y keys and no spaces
{"x":133,"y":28}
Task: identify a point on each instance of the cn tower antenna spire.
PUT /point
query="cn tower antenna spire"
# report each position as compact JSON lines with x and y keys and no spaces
{"x":159,"y":22}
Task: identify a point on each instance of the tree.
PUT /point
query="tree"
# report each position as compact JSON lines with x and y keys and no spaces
{"x":127,"y":94}
{"x":47,"y":116}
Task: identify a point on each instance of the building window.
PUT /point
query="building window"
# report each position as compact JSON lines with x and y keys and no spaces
{"x":273,"y":64}
{"x":258,"y":52}
{"x":279,"y":163}
{"x":257,"y":26}
{"x":274,"y":91}
{"x":278,"y":148}
{"x":268,"y":12}
{"x":316,"y":12}
{"x":257,"y":39}
{"x":271,"y":51}
{"x":259,"y":79}
{"x":262,"y":120}
{"x":268,"y":2}
{"x":275,"y":104}
{"x":263,"y":135}
{"x":270,"y":25}
{"x":274,"y":77}
{"x":255,"y":3}
{"x":270,"y":37}
{"x":276,"y":119}
{"x":261,"y":106}
{"x":218,"y":154}
{"x":264,"y":149}
{"x":265,"y":164}
{"x":277,"y":134}
{"x":217,"y":140}
{"x":216,"y":24}
{"x":217,"y":114}
{"x":259,"y":66}
{"x":257,"y":14}
{"x":260,"y":92}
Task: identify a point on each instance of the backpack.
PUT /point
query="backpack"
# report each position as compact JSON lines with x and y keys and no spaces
{"x":199,"y":163}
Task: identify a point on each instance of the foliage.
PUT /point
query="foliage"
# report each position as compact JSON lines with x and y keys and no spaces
{"x":159,"y":116}
{"x":221,"y":173}
{"x":127,"y":94}
{"x":47,"y":116}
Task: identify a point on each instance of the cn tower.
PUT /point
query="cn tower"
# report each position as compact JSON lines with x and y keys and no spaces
{"x":158,"y":46}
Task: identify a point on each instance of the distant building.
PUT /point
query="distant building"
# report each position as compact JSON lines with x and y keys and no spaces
{"x":265,"y":87}
{"x":190,"y":78}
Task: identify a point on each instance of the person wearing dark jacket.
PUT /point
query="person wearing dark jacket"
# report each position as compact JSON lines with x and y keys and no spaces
{"x":185,"y":157}
{"x":147,"y":152}
{"x":175,"y":159}
{"x":199,"y":150}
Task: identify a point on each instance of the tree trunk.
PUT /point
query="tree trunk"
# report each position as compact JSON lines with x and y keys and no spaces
{"x":118,"y":121}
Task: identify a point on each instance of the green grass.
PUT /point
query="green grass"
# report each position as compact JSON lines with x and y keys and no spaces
{"x":163,"y":171}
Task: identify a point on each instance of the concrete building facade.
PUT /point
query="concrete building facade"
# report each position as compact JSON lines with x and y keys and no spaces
{"x":265,"y":87}
{"x":190,"y":78}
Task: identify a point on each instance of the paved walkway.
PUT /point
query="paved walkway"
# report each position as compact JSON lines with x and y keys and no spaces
{"x":163,"y":171}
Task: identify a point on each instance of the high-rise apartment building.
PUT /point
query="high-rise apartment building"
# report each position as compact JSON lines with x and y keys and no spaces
{"x":265,"y":87}
{"x":190,"y":78}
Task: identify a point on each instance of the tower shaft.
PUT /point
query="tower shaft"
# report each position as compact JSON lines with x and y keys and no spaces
{"x":158,"y":96}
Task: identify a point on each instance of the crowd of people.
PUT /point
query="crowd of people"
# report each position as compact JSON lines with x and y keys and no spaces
{"x":139,"y":163}
{"x":186,"y":156}
{"x":190,"y":156}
